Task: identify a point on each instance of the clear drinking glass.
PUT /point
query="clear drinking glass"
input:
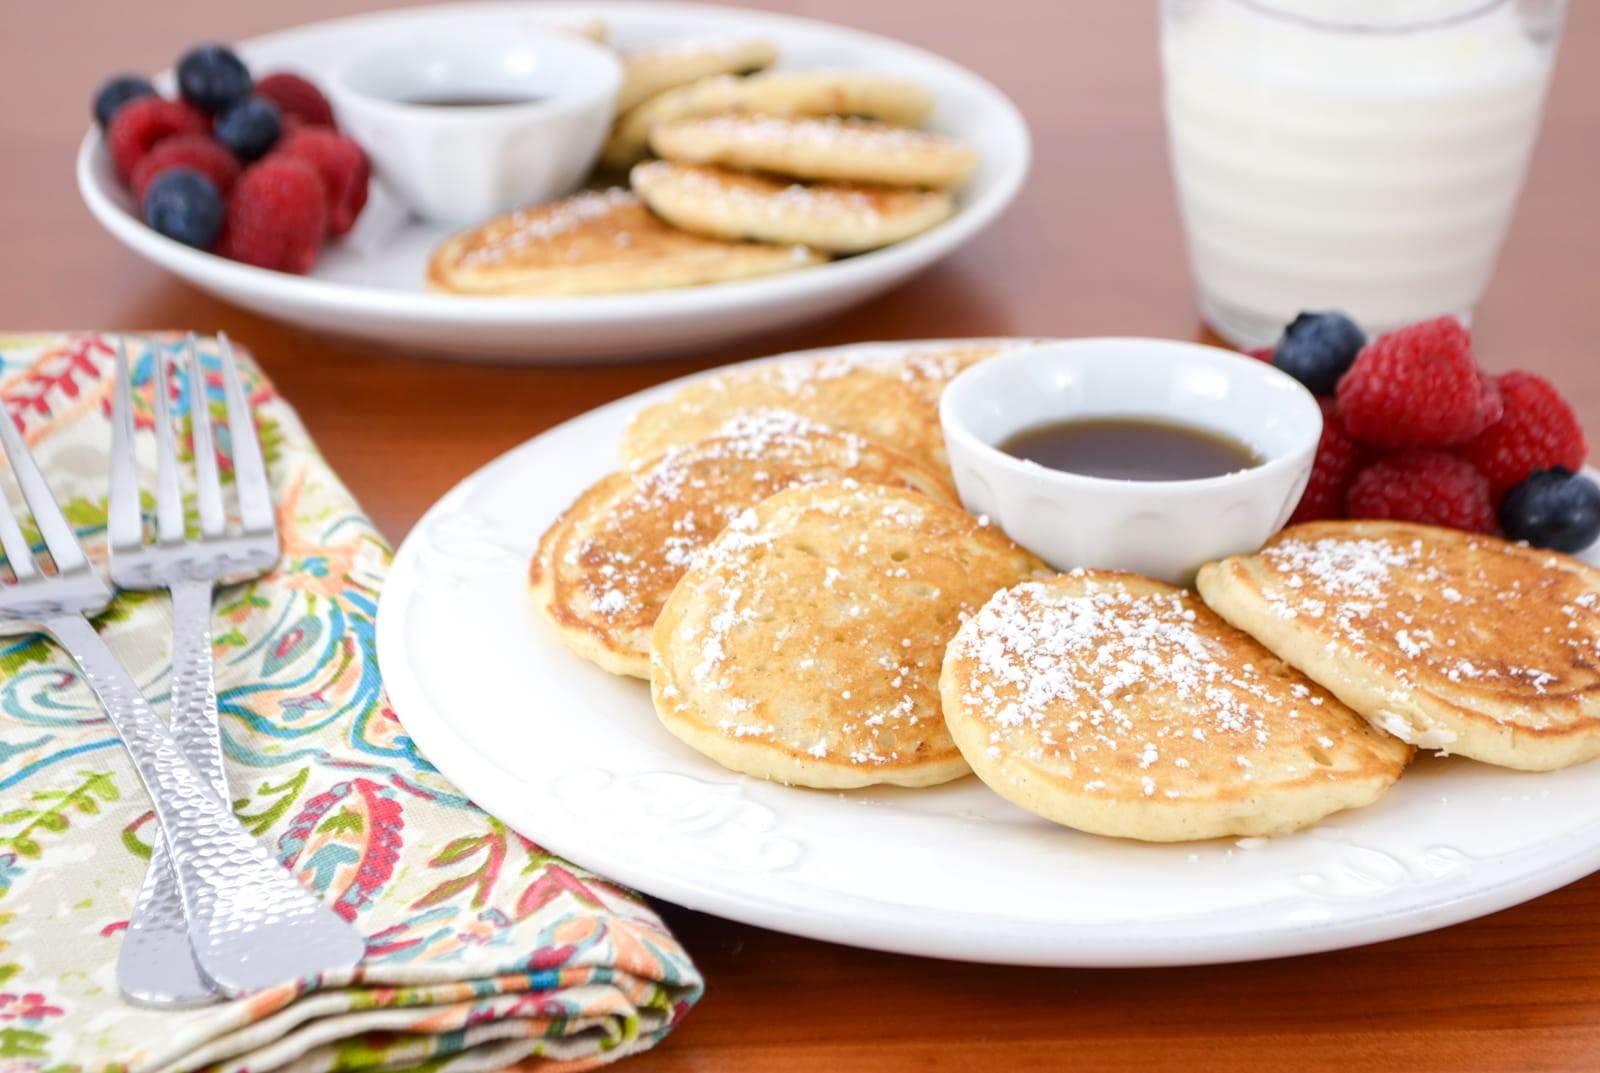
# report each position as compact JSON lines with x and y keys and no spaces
{"x":1360,"y":155}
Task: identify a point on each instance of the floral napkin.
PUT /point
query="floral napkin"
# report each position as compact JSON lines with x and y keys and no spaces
{"x":483,"y":951}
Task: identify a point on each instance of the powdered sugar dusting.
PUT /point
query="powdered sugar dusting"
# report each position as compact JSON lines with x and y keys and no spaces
{"x":821,"y":133}
{"x":824,"y":614}
{"x":889,"y":394}
{"x":1432,"y":613}
{"x":625,"y":553}
{"x":1119,"y":683}
{"x":541,"y":223}
{"x":777,"y":204}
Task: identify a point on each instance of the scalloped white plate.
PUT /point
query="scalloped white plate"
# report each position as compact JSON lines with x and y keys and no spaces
{"x":371,"y":284}
{"x":573,"y":758}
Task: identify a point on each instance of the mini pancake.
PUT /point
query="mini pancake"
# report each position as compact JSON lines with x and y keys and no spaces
{"x":649,"y":71}
{"x":606,"y":566}
{"x":596,"y":242}
{"x":804,"y":644}
{"x":845,"y":150}
{"x":836,"y":217}
{"x":774,"y":93}
{"x":1453,"y":641}
{"x":888,"y":394}
{"x":1121,"y":706}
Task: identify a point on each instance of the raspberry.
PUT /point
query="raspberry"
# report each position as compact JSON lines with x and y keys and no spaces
{"x":1260,"y":353}
{"x":295,"y":96}
{"x":203,"y":154}
{"x":1418,"y":387}
{"x":342,"y":167}
{"x":1339,"y":458}
{"x":1429,"y":486}
{"x":144,"y":121}
{"x":1537,"y":431}
{"x":277,"y":216}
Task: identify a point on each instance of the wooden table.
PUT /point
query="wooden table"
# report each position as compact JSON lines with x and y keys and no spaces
{"x":1091,"y":247}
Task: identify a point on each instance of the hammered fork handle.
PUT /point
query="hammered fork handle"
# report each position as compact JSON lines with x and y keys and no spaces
{"x":250,"y":923}
{"x":155,"y":964}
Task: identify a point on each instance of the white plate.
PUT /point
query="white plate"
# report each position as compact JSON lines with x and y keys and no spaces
{"x":574,"y":758}
{"x":371,"y":285}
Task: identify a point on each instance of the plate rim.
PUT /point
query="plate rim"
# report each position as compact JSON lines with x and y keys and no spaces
{"x":1065,"y":943}
{"x":422,"y":308}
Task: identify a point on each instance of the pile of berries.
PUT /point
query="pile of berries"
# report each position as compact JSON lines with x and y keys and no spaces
{"x":253,"y":169}
{"x":1414,"y":430}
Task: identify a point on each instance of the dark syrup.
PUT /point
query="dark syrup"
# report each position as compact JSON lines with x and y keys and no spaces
{"x":1131,"y":449}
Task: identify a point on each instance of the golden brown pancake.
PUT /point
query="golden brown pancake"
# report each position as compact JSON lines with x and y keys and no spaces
{"x":649,"y":71}
{"x":1450,"y":640}
{"x":778,"y":93}
{"x":1122,"y":706}
{"x":889,"y":394}
{"x":596,"y":242}
{"x":823,"y":148}
{"x":836,"y":217}
{"x":804,"y":645}
{"x":606,"y":566}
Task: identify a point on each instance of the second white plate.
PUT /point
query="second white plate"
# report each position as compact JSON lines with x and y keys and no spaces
{"x":372,"y":283}
{"x":574,"y":758}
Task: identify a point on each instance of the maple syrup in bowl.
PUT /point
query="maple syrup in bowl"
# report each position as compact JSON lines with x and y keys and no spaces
{"x":1146,"y":455}
{"x":1131,"y":449}
{"x":465,"y":126}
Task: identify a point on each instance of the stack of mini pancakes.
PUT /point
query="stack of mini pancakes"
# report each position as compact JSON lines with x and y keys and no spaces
{"x":783,"y":557}
{"x":755,"y":171}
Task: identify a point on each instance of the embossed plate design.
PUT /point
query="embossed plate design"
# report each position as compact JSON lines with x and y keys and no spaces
{"x":573,"y":758}
{"x":371,"y":284}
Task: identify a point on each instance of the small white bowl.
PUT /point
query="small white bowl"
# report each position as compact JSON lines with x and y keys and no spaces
{"x":462,"y":165}
{"x":1161,"y":529}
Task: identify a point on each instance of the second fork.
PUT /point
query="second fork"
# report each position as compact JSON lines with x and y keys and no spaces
{"x":155,"y":965}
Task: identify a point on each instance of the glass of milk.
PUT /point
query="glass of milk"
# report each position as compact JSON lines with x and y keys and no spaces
{"x":1360,"y":155}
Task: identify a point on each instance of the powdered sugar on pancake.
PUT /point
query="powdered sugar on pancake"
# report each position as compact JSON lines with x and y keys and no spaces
{"x":802,"y":378}
{"x":1376,"y":595}
{"x":541,"y":223}
{"x":821,"y":133}
{"x":689,"y":494}
{"x":781,"y":201}
{"x":1142,"y":688}
{"x":886,"y":394}
{"x":847,"y":594}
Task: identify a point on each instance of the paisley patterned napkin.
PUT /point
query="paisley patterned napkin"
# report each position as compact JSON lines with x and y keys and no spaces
{"x":483,"y":950}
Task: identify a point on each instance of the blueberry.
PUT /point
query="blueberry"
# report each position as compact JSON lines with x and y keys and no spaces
{"x":212,"y":78}
{"x":249,"y":128}
{"x":184,"y":205}
{"x":117,"y":92}
{"x":1553,"y":508}
{"x":1317,"y":349}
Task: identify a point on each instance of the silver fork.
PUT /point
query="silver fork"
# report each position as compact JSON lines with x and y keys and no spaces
{"x":171,"y":955}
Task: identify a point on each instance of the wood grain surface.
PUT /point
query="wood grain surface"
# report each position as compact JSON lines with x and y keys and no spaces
{"x":1092,"y":246}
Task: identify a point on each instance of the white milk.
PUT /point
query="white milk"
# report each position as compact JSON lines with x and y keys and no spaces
{"x":1370,"y":167}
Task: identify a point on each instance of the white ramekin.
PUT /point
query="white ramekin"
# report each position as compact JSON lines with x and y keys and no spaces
{"x":1161,"y":529}
{"x":462,"y":165}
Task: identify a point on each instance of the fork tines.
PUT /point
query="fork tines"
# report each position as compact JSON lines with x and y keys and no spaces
{"x":59,"y":539}
{"x":125,"y":523}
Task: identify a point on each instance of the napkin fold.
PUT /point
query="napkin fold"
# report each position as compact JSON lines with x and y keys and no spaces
{"x":483,"y":952}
